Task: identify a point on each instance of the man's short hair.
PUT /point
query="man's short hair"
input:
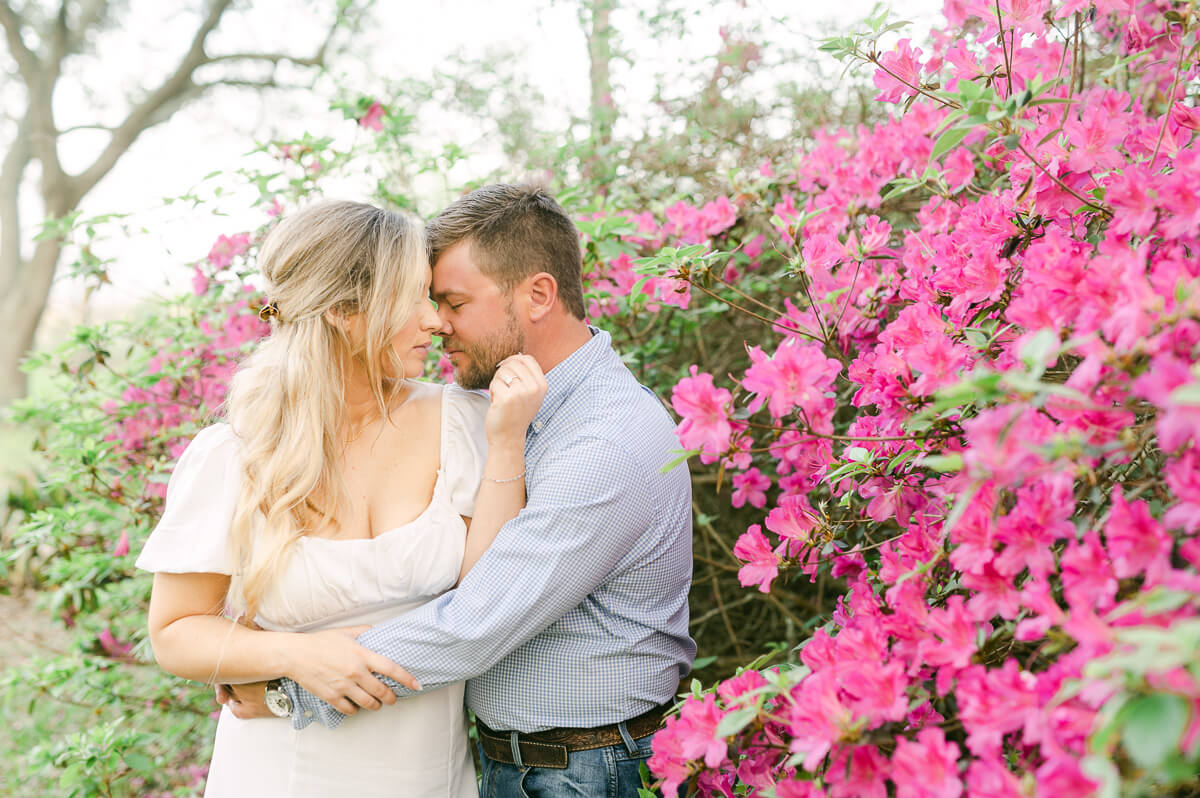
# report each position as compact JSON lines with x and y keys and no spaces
{"x":514,"y":231}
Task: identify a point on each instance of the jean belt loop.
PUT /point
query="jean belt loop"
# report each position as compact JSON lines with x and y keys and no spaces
{"x":515,"y":742}
{"x":630,"y":745}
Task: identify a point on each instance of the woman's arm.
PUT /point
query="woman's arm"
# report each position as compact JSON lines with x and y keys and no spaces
{"x":191,"y":638}
{"x":516,"y":391}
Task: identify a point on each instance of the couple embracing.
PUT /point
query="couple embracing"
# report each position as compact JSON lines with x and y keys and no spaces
{"x":401,"y":547}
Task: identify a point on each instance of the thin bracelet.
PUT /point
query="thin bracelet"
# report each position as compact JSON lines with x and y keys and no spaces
{"x":502,"y":481}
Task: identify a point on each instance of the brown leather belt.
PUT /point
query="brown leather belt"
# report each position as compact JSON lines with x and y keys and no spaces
{"x":551,"y":748}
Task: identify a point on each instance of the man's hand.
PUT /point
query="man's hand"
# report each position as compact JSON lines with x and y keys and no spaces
{"x":245,"y":701}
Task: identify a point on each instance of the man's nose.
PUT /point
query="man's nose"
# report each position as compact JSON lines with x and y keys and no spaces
{"x":444,"y":326}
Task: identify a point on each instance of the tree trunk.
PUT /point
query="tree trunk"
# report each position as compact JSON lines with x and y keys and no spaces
{"x":600,"y":55}
{"x":23,"y":304}
{"x":25,"y":282}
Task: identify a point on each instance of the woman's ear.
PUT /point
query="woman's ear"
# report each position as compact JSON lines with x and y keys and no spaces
{"x":335,"y":318}
{"x":543,"y":295}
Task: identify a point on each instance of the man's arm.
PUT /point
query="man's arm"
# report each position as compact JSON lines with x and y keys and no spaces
{"x":588,"y":507}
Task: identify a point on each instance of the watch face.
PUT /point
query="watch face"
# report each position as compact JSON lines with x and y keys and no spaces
{"x":279,"y":703}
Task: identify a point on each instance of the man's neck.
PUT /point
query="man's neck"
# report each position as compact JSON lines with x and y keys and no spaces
{"x":556,"y":340}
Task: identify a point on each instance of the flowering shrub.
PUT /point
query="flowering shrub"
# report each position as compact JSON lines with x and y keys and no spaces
{"x":946,"y":362}
{"x":980,"y":413}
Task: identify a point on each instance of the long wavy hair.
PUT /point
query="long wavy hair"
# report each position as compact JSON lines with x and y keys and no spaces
{"x":322,"y":264}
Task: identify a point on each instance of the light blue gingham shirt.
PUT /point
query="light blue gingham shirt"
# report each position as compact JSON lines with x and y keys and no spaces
{"x":577,"y":615}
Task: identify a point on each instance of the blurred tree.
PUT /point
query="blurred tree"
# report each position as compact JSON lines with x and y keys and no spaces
{"x":595,"y":17}
{"x":43,"y":42}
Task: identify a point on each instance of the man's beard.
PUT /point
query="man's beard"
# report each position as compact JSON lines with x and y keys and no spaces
{"x":484,"y":356}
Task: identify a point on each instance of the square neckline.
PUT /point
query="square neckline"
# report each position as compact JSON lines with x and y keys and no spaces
{"x":437,"y":485}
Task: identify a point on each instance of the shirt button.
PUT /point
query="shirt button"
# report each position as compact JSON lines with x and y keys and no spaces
{"x":308,"y":713}
{"x":537,"y":426}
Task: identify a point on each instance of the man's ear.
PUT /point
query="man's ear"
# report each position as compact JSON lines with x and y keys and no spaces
{"x":543,"y":295}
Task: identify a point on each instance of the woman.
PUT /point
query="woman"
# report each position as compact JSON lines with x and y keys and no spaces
{"x":340,"y":492}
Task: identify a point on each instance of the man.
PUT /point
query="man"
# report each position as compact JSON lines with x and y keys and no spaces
{"x":572,"y":628}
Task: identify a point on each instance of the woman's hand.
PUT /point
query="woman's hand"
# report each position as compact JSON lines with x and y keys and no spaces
{"x":332,"y":666}
{"x":517,"y":391}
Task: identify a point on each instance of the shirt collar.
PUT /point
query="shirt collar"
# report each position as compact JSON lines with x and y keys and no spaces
{"x":564,"y":378}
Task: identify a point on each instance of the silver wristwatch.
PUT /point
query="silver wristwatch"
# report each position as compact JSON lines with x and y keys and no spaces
{"x":279,"y":702}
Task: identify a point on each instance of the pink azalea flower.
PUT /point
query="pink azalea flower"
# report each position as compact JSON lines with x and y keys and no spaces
{"x":745,"y":682}
{"x":697,"y":731}
{"x":705,"y":412}
{"x":797,"y":376}
{"x":1087,"y":575}
{"x":899,"y":72}
{"x":816,"y":718}
{"x":1185,"y":116}
{"x":667,"y":758}
{"x":858,"y":772}
{"x":762,"y":564}
{"x":371,"y":120}
{"x":122,"y":547}
{"x":750,"y":487}
{"x":926,"y":767}
{"x":1135,"y":540}
{"x":1183,"y":478}
{"x":792,"y":520}
{"x":227,"y":248}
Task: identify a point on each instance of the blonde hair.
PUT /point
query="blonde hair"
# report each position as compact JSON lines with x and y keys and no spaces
{"x":286,"y":402}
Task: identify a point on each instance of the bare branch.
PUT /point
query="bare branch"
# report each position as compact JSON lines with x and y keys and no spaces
{"x":74,"y":128}
{"x":26,"y":60}
{"x":143,"y":115}
{"x":273,"y":58}
{"x":268,"y":83}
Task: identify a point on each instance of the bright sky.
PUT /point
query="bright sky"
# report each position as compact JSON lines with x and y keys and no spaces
{"x":408,"y":39}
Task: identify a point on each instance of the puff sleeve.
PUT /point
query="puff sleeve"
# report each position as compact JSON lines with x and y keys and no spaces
{"x":193,"y":534}
{"x":464,"y":445}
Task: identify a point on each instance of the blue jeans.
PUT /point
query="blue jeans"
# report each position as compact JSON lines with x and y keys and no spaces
{"x":610,"y":772}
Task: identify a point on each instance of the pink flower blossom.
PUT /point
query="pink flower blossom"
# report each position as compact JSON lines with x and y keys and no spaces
{"x":371,"y":120}
{"x":762,"y":564}
{"x":926,"y":767}
{"x":227,"y":248}
{"x":750,"y":487}
{"x":796,"y":376}
{"x":898,"y":75}
{"x":705,"y":411}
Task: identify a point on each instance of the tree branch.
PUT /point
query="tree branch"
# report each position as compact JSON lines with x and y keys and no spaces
{"x":142,"y":115}
{"x":26,"y":60}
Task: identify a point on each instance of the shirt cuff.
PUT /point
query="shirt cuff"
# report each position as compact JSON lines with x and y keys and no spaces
{"x":306,"y":707}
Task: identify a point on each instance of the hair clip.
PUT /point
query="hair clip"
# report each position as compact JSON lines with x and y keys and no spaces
{"x":268,"y":311}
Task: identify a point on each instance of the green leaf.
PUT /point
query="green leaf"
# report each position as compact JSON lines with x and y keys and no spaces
{"x":1038,"y":349}
{"x":683,"y":456}
{"x":858,"y":454}
{"x":948,"y":141}
{"x":1153,"y":725}
{"x":702,"y":662}
{"x":1186,"y":394}
{"x":735,"y":721}
{"x":942,"y":462}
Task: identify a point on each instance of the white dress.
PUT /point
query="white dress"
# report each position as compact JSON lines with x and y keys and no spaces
{"x":416,"y":747}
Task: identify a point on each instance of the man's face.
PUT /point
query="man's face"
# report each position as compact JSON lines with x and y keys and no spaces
{"x":479,"y":326}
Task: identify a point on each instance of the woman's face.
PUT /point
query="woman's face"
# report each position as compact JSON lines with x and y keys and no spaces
{"x":412,"y":341}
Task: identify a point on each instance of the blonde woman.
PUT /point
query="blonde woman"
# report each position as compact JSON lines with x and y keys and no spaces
{"x":339,"y":493}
